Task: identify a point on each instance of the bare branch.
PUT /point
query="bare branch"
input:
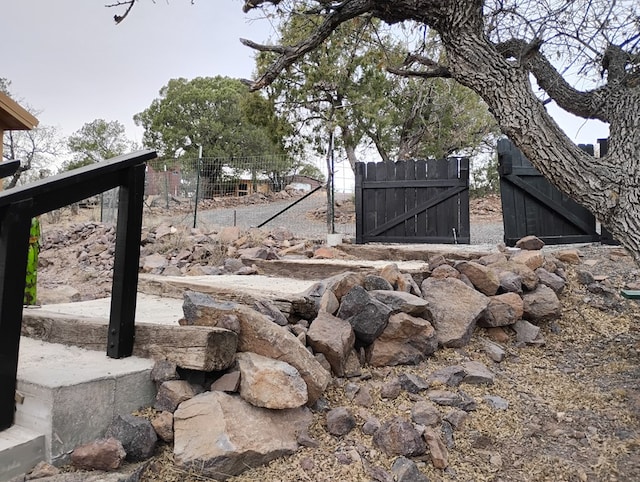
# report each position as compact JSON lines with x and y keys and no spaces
{"x":120,"y":18}
{"x":439,"y":72}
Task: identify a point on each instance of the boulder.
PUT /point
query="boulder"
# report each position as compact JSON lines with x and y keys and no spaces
{"x":103,"y":454}
{"x":503,"y":310}
{"x":406,"y":340}
{"x":238,"y":435}
{"x":163,"y":425}
{"x":399,"y":437}
{"x":532,"y":259}
{"x":367,"y":316}
{"x":137,"y":435}
{"x":454,"y":309}
{"x":541,"y":305}
{"x":373,"y":282}
{"x":401,"y":301}
{"x":552,"y":280}
{"x":271,"y":311}
{"x":483,"y":278}
{"x":172,"y":393}
{"x":269,"y":383}
{"x":259,"y":335}
{"x":334,"y":338}
{"x":531,"y":243}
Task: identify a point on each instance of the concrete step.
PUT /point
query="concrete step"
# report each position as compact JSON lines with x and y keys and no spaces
{"x":71,"y":395}
{"x":20,"y":450}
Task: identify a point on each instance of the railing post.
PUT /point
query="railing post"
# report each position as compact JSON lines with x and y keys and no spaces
{"x":125,"y":265}
{"x":15,"y":222}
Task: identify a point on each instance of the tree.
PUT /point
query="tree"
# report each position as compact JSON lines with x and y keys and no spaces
{"x":520,"y":55}
{"x":341,"y":85}
{"x":96,"y":141}
{"x":218,"y":114}
{"x":36,"y":149}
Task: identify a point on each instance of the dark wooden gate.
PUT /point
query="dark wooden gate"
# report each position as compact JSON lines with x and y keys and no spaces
{"x":425,"y":201}
{"x":531,"y":205}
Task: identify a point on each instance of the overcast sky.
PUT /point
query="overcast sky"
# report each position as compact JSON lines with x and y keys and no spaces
{"x":69,"y":60}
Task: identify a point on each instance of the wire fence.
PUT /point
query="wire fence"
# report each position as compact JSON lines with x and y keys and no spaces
{"x":212,"y":193}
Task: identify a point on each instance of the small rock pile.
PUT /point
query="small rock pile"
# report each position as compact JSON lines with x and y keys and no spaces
{"x":260,"y":403}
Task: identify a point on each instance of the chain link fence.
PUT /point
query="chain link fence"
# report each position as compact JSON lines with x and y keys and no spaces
{"x":212,"y":193}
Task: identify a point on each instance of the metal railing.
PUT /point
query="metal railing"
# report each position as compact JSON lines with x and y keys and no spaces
{"x":19,"y":205}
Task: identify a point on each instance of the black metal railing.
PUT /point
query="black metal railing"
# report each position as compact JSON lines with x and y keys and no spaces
{"x":19,"y":205}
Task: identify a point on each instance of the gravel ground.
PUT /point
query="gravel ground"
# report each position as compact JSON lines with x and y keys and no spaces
{"x":296,"y":219}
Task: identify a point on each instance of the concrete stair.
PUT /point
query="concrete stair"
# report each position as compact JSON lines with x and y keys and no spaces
{"x":68,"y":397}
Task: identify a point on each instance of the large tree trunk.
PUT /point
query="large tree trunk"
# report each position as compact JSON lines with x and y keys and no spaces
{"x":609,"y":186}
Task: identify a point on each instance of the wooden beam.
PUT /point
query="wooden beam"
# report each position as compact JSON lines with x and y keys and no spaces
{"x":193,"y":347}
{"x":13,"y":117}
{"x":15,"y":223}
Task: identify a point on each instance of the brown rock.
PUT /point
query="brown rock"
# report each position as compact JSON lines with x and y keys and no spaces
{"x":541,"y":305}
{"x":570,"y":256}
{"x":437,"y":449}
{"x":163,"y":425}
{"x":269,"y":383}
{"x":237,"y":435}
{"x":398,"y":437}
{"x":103,"y":454}
{"x":228,"y":382}
{"x":334,"y":338}
{"x":172,"y":393}
{"x":41,"y":470}
{"x":406,"y":340}
{"x":482,"y":277}
{"x":532,"y":259}
{"x":445,"y":271}
{"x":454,"y":309}
{"x":340,"y":421}
{"x":498,"y":334}
{"x":259,"y":335}
{"x":531,"y":243}
{"x":503,"y":310}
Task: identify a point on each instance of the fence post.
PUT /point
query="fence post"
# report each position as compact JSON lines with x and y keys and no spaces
{"x":125,"y":265}
{"x":15,"y":223}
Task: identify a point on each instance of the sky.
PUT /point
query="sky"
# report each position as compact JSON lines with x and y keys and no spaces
{"x":68,"y":59}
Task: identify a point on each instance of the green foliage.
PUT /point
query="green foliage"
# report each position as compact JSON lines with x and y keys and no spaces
{"x":217,"y":113}
{"x":220,"y":115}
{"x":96,"y":141}
{"x":485,"y":178}
{"x":343,"y":84}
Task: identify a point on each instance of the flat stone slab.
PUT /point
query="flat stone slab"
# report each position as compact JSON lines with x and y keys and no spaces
{"x":149,"y":309}
{"x":20,"y":450}
{"x":56,"y":382}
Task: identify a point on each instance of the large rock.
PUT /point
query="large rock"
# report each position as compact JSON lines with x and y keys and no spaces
{"x":367,"y":316}
{"x":503,"y":310}
{"x":541,"y":305}
{"x":532,"y":259}
{"x":552,"y":280}
{"x":406,"y":340}
{"x":172,"y":393}
{"x":399,"y":437}
{"x":401,"y":301}
{"x":454,"y":309}
{"x":334,"y":338}
{"x":528,"y":277}
{"x":137,"y":435}
{"x":269,"y":383}
{"x":259,"y":335}
{"x":103,"y":454}
{"x":483,"y":278}
{"x":220,"y":435}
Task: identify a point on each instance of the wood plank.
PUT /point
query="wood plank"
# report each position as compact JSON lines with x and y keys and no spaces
{"x":360,"y":174}
{"x":410,"y":197}
{"x":192,"y":347}
{"x":421,"y":198}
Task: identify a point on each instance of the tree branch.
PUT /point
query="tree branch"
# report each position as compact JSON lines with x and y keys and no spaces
{"x":120,"y":18}
{"x":290,"y":54}
{"x":583,"y":104}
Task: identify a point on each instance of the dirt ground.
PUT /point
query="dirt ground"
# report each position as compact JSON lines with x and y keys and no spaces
{"x":574,"y":403}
